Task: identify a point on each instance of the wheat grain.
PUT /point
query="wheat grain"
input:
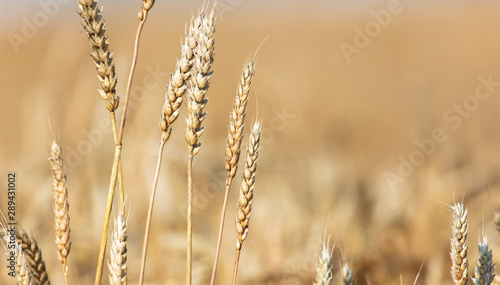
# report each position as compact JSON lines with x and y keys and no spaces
{"x":485,"y":269}
{"x":33,"y":257}
{"x":61,"y":207}
{"x":460,"y":263}
{"x":118,"y":253}
{"x":93,"y":23}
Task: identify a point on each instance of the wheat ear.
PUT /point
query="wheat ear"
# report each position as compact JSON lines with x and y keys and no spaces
{"x":233,"y":144}
{"x":176,"y":88}
{"x":23,"y":274}
{"x":33,"y":257}
{"x":203,"y":31}
{"x":118,"y":253}
{"x":458,"y":253}
{"x":61,"y":208}
{"x":324,"y":273}
{"x":245,"y":199}
{"x":485,"y":268}
{"x":347,"y":278}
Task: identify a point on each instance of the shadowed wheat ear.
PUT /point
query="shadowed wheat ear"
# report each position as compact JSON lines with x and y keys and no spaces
{"x":203,"y":31}
{"x":347,"y":278}
{"x":324,"y":273}
{"x":61,"y":207}
{"x":233,"y":144}
{"x":458,"y":253}
{"x":485,"y":268}
{"x":33,"y":257}
{"x":118,"y":253}
{"x":245,"y":199}
{"x":176,"y":88}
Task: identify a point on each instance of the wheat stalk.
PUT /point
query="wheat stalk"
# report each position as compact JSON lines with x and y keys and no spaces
{"x":233,"y":144}
{"x":460,"y":263}
{"x":485,"y":268}
{"x":33,"y":257}
{"x":203,"y":31}
{"x":347,"y":278}
{"x":61,"y":208}
{"x":118,"y":253}
{"x":245,"y":199}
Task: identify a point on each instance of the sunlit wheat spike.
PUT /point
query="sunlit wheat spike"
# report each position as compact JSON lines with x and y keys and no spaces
{"x":203,"y":31}
{"x":324,"y":273}
{"x":177,"y":86}
{"x":458,"y":253}
{"x":61,"y":206}
{"x":237,"y":120}
{"x":93,"y":23}
{"x":245,"y":199}
{"x":485,"y":269}
{"x":23,"y":274}
{"x":33,"y":258}
{"x":118,"y":253}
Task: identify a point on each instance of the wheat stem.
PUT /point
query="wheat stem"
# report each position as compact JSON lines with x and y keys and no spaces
{"x":150,"y":214}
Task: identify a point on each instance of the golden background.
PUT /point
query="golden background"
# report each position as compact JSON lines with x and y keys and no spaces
{"x":333,"y":128}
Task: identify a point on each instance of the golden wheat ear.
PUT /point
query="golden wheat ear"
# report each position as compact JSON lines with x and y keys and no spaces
{"x":33,"y":258}
{"x":458,"y":253}
{"x":61,"y":207}
{"x":324,"y":273}
{"x":245,"y":199}
{"x":23,"y":274}
{"x":118,"y":253}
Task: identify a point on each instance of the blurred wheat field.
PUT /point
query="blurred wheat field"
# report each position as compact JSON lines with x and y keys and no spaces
{"x":332,"y":130}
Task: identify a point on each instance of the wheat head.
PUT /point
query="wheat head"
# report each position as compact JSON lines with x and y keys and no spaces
{"x":61,"y":206}
{"x":485,"y":268}
{"x":118,"y":253}
{"x":33,"y":257}
{"x":203,"y":31}
{"x":93,"y":23}
{"x":245,"y":199}
{"x":458,"y":253}
{"x":347,"y":278}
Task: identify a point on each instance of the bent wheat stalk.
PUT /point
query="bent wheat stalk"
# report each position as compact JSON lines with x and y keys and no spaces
{"x":246,"y":192}
{"x":204,"y":33}
{"x":61,"y":208}
{"x":233,"y":144}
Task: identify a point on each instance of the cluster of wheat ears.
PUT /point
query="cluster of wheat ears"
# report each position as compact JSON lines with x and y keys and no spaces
{"x":189,"y":82}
